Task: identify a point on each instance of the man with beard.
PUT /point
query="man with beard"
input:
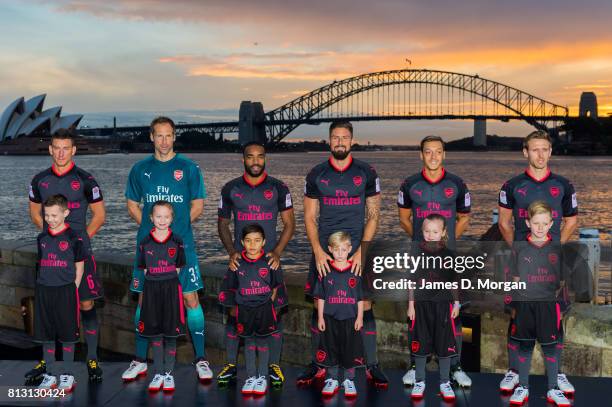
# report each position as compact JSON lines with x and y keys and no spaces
{"x":341,"y":191}
{"x":255,"y":197}
{"x":434,"y":190}
{"x":536,"y":183}
{"x":82,"y":192}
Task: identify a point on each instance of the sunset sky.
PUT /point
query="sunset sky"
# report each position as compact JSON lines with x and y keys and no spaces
{"x":158,"y":56}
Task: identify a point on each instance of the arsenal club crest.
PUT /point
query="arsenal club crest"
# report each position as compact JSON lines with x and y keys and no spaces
{"x":239,"y":328}
{"x":222,"y":297}
{"x":554,"y":191}
{"x":263,"y":272}
{"x":140,"y":326}
{"x":178,"y":175}
{"x":352,"y":282}
{"x":448,"y":192}
{"x":321,"y":356}
{"x":75,"y":185}
{"x":171,"y":251}
{"x":357,"y":180}
{"x":268,"y":194}
{"x":415,"y":346}
{"x":63,"y":245}
{"x":552,"y":258}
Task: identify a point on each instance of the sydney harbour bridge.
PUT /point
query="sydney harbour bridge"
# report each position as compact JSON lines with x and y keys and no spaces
{"x":405,"y":94}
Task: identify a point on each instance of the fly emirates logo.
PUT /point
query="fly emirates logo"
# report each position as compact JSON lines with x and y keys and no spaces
{"x":342,"y":198}
{"x":163,"y":194}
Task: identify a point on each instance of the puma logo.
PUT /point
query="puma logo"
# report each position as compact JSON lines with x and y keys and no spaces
{"x":325,"y":181}
{"x":522,"y":191}
{"x":148,"y":175}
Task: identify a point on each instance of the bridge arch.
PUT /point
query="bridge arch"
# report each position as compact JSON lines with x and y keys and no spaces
{"x":517,"y":104}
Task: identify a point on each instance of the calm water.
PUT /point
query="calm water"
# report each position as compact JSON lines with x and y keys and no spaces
{"x":483,"y":172}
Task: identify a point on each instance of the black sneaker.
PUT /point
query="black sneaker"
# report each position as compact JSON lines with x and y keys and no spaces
{"x":35,"y":376}
{"x":94,"y":371}
{"x":277,"y":378}
{"x":309,"y":374}
{"x":377,"y":377}
{"x":227,"y":374}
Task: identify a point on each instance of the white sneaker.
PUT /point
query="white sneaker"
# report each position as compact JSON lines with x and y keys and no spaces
{"x":461,"y":378}
{"x":520,"y":395}
{"x":418,"y":391}
{"x":261,"y":385}
{"x":203,"y":370}
{"x":509,"y":382}
{"x":556,"y":396}
{"x":168,"y":382}
{"x":564,"y":385}
{"x":349,"y":388}
{"x":409,"y":378}
{"x":249,"y":385}
{"x":157,"y":383}
{"x":48,"y":382}
{"x":136,"y":369}
{"x":446,"y":391}
{"x":66,"y":383}
{"x":330,"y":388}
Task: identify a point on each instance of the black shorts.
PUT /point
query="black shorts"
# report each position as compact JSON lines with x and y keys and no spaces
{"x":256,"y":321}
{"x":162,"y":312}
{"x":433,"y":329}
{"x":91,"y":284}
{"x":539,"y":320}
{"x":340,"y":345}
{"x":56,"y":313}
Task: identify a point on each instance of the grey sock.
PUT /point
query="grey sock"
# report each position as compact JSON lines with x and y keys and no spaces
{"x":170,"y":354}
{"x":513,"y":349}
{"x":263,"y":356}
{"x":49,"y":356}
{"x":420,"y":362}
{"x":559,"y":352}
{"x":551,"y":363}
{"x":90,"y":326}
{"x":158,"y":354}
{"x":368,"y":334}
{"x":445,"y":364}
{"x":524,"y":361}
{"x":332,"y":372}
{"x":315,"y":334}
{"x":68,"y":357}
{"x":232,"y":340}
{"x":276,"y":343}
{"x":456,"y":360}
{"x":250,"y":353}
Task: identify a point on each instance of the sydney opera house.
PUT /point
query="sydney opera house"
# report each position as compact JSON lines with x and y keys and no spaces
{"x":27,"y":118}
{"x":25,"y":128}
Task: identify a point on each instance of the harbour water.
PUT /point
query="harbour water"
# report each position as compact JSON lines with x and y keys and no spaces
{"x":484,"y":172}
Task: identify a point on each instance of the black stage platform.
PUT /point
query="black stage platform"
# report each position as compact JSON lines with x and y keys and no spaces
{"x":113,"y":392}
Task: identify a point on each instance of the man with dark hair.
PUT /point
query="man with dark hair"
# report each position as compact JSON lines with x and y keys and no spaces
{"x":536,"y":183}
{"x":435,"y":190}
{"x":82,"y":192}
{"x":172,"y":177}
{"x":343,"y":192}
{"x":255,"y":197}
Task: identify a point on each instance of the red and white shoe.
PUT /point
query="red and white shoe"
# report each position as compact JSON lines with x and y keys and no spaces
{"x":168,"y":383}
{"x":66,"y":383}
{"x":136,"y":369}
{"x":520,"y":396}
{"x":446,"y":391}
{"x":564,"y":385}
{"x":157,"y":383}
{"x":418,"y":391}
{"x":509,"y":382}
{"x":330,"y":388}
{"x":556,"y":396}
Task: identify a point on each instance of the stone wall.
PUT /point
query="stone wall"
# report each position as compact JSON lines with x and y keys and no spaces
{"x":588,"y":349}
